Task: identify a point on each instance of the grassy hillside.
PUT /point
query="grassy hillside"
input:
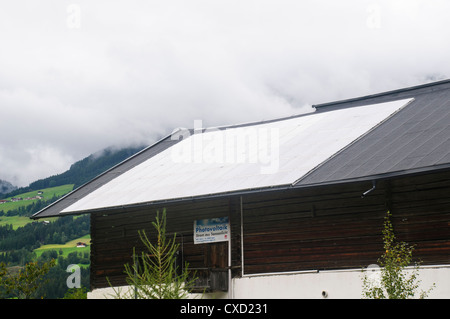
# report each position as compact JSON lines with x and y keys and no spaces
{"x":47,"y":193}
{"x":15,"y":221}
{"x":68,"y":247}
{"x":82,"y":171}
{"x":19,"y":220}
{"x":23,"y":240}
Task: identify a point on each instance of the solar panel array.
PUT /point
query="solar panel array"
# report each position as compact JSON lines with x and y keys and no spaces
{"x":240,"y":158}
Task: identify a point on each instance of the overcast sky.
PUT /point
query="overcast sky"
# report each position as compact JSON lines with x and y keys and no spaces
{"x":79,"y":76}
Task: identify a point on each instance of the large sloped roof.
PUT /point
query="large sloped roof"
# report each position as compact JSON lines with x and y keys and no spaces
{"x":396,"y":132}
{"x":415,"y":140}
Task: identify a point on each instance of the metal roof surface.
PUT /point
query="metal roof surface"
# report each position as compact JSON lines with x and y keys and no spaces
{"x":239,"y":158}
{"x":364,"y":138}
{"x":416,"y":139}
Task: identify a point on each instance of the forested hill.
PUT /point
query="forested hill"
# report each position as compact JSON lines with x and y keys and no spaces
{"x":81,"y":171}
{"x":34,"y":241}
{"x":6,"y":187}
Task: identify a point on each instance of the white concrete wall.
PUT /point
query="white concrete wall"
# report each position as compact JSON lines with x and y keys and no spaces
{"x":109,"y":293}
{"x":346,"y":284}
{"x":106,"y":293}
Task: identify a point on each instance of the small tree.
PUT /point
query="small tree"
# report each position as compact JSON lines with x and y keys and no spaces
{"x":76,"y":293}
{"x":392,"y":281}
{"x":153,"y":275}
{"x":25,"y":282}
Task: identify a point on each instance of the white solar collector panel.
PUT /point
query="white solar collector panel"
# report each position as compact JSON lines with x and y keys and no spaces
{"x":241,"y":158}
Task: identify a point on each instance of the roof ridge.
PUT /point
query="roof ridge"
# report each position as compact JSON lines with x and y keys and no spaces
{"x":384,"y":93}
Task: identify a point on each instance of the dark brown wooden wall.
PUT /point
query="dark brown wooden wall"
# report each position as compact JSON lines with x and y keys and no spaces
{"x":321,"y":228}
{"x":332,"y":227}
{"x":114,"y":235}
{"x":328,"y":227}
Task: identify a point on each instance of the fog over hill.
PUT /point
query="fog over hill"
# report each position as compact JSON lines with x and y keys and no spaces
{"x":79,"y":173}
{"x":78,"y":76}
{"x":6,"y":187}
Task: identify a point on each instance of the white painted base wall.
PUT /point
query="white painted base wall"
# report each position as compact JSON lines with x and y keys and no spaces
{"x":345,"y":284}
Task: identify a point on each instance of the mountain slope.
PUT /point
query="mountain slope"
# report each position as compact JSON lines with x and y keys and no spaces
{"x":6,"y":187}
{"x":81,"y":171}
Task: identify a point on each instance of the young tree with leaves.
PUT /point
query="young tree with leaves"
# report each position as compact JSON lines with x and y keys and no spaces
{"x":26,"y":281}
{"x":391,"y":281}
{"x":154,"y":274}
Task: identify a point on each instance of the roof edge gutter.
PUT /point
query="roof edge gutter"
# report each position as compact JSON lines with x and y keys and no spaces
{"x":284,"y":187}
{"x":379,"y":177}
{"x":177,"y":200}
{"x":73,"y":192}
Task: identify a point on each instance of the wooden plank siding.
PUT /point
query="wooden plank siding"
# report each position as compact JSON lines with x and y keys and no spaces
{"x":318,"y":228}
{"x":115,"y":234}
{"x":333,"y":227}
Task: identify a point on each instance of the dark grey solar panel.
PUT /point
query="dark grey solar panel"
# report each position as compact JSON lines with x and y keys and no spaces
{"x":415,"y":138}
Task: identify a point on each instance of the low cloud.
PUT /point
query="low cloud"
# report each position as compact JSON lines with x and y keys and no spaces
{"x":77,"y":77}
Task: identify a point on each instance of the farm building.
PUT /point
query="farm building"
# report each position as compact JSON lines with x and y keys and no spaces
{"x":299,"y":202}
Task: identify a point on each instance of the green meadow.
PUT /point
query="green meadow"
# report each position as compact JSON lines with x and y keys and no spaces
{"x":67,"y":248}
{"x":47,"y":194}
{"x":16,"y":221}
{"x":20,"y":221}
